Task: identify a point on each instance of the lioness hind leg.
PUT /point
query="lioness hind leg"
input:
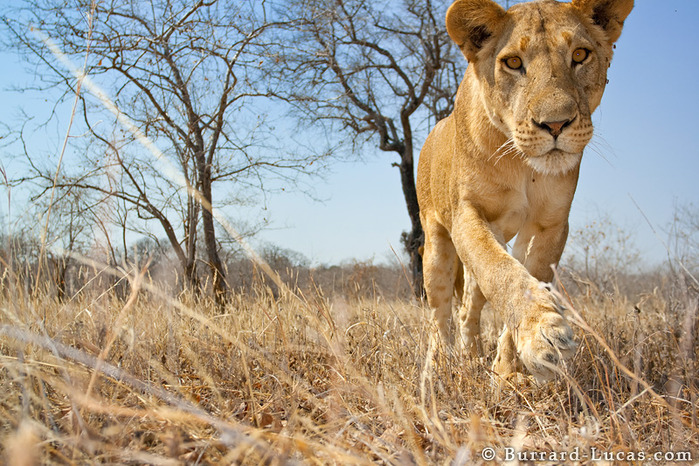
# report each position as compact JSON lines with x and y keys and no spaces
{"x":439,"y":271}
{"x":470,"y":314}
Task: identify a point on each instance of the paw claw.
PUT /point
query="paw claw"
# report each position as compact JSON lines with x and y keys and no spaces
{"x":549,"y":341}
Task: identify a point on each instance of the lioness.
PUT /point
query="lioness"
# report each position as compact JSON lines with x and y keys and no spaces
{"x":506,"y":163}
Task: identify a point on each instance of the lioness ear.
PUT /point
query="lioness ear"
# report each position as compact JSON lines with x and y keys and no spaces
{"x":470,"y":23}
{"x":608,"y":14}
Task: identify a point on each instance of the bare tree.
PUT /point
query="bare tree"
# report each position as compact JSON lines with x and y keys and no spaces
{"x":604,"y":255}
{"x":20,"y":247}
{"x":185,"y":73}
{"x":379,"y":71}
{"x":69,"y":235}
{"x":683,"y":238}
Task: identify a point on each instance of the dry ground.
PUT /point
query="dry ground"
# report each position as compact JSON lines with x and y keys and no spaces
{"x":316,"y":380}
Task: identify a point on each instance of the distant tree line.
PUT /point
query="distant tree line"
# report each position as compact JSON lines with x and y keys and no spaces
{"x":68,"y":278}
{"x":602,"y":261}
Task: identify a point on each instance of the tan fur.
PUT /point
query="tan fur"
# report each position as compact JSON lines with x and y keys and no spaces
{"x":505,"y":163}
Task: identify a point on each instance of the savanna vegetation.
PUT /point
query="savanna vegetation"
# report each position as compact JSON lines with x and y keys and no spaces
{"x":334,"y":365}
{"x":187,"y":346}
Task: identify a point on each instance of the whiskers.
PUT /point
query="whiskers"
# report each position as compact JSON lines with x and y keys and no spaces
{"x":600,"y":146}
{"x":507,"y":148}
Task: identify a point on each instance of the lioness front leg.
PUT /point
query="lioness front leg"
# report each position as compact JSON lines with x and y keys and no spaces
{"x":540,"y":333}
{"x":540,"y":249}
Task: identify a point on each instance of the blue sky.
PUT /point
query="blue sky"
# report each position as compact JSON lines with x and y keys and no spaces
{"x":645,"y":152}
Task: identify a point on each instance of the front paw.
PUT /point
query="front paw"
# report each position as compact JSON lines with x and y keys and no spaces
{"x":543,"y":340}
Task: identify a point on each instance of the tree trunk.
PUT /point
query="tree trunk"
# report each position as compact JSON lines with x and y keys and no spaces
{"x":190,"y":232}
{"x":414,"y":239}
{"x":61,"y":274}
{"x":218,"y":276}
{"x":190,"y":276}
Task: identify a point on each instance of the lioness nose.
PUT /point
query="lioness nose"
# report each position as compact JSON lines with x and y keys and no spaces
{"x":554,"y":127}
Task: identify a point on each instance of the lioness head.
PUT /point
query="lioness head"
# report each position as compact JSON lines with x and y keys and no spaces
{"x":542,"y":69}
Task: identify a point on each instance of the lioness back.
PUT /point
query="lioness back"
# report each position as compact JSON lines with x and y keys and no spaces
{"x":505,"y":165}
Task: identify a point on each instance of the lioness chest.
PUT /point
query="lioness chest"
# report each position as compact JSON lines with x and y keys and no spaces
{"x":511,"y":199}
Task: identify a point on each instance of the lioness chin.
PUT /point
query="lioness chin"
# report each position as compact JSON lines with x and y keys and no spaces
{"x":505,"y":163}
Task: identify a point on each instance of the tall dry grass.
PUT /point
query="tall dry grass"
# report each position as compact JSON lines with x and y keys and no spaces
{"x":324,"y":380}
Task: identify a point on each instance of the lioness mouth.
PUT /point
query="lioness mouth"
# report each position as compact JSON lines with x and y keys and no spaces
{"x":554,"y":162}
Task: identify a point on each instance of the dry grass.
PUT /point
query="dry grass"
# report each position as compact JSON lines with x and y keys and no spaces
{"x":152,"y":380}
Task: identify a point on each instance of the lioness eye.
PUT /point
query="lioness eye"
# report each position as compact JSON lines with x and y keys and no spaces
{"x":579,"y":56}
{"x":513,"y":63}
